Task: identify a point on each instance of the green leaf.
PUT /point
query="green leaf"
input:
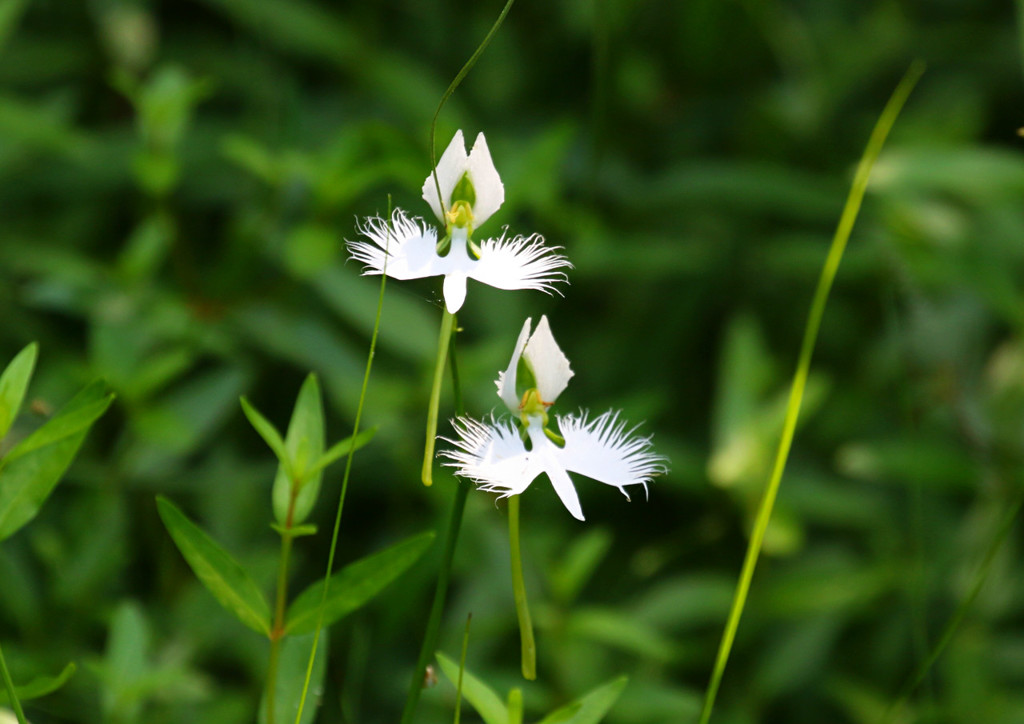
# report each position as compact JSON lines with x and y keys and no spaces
{"x":291,"y":677}
{"x":343,"y":447}
{"x":268,"y":432}
{"x":126,"y":663}
{"x":13,"y":384}
{"x":304,"y":445}
{"x":229,"y":583}
{"x":484,"y":699}
{"x":591,"y":707}
{"x":40,"y":686}
{"x":30,"y":471}
{"x":355,"y":584}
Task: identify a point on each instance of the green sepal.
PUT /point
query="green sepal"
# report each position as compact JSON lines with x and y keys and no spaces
{"x":40,"y":686}
{"x":13,"y":385}
{"x":295,"y":531}
{"x":217,"y":569}
{"x":297,"y":490}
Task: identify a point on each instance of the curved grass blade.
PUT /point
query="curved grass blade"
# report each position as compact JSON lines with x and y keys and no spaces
{"x":828,"y":273}
{"x":225,"y":578}
{"x":591,"y":707}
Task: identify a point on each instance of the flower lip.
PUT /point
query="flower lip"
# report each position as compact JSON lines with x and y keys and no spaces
{"x":455,"y":168}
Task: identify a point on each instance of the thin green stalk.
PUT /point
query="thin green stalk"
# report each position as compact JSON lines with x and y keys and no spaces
{"x":460,"y":76}
{"x":828,"y":273}
{"x":443,"y":343}
{"x":961,"y":611}
{"x":444,"y":573}
{"x":277,"y":632}
{"x":527,"y":644}
{"x":345,"y":476}
{"x":11,"y":693}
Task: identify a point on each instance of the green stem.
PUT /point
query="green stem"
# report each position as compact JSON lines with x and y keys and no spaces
{"x":444,"y":573}
{"x":277,"y":632}
{"x":828,"y":273}
{"x":443,"y":342}
{"x":11,"y":693}
{"x":529,"y":647}
{"x":345,"y":477}
{"x":961,"y":612}
{"x":462,"y":670}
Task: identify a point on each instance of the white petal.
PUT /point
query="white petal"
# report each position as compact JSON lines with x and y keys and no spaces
{"x":490,"y":193}
{"x":410,"y":244}
{"x":492,"y":456}
{"x":546,"y":455}
{"x":453,"y":164}
{"x":520,"y":263}
{"x":603,"y":449}
{"x":454,"y":291}
{"x":550,"y":367}
{"x":507,"y":380}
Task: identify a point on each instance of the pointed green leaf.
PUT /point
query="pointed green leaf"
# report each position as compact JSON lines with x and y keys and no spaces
{"x":291,"y":677}
{"x":13,"y":384}
{"x":268,"y":432}
{"x":40,"y":686}
{"x":30,"y":471}
{"x":591,"y":707}
{"x":125,"y":664}
{"x":484,"y":699}
{"x":355,"y":584}
{"x":304,"y":444}
{"x":342,"y":447}
{"x":229,"y":583}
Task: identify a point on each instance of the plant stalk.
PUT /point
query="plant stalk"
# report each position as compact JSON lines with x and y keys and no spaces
{"x":443,"y":342}
{"x":527,"y":644}
{"x":11,"y":693}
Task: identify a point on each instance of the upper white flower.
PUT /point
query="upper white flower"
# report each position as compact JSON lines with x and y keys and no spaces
{"x":495,"y":455}
{"x":408,"y":248}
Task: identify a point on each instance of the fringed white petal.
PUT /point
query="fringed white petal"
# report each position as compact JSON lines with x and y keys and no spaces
{"x":603,"y":449}
{"x":520,"y":263}
{"x":450,"y":168}
{"x":506,"y":381}
{"x":410,"y":243}
{"x":549,"y":365}
{"x":490,"y":193}
{"x":491,"y":455}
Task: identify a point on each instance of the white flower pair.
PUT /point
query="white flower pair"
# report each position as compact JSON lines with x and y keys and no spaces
{"x":470,"y":192}
{"x":497,"y":458}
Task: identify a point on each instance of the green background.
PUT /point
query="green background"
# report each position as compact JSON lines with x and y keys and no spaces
{"x":177,"y":180}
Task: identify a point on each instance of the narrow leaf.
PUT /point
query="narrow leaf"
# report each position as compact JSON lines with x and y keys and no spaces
{"x":591,"y":707}
{"x":229,"y":583}
{"x":484,"y":699}
{"x":304,"y":444}
{"x":13,"y":384}
{"x":32,"y":469}
{"x":342,"y":448}
{"x":268,"y":432}
{"x":40,"y":686}
{"x":291,"y":676}
{"x":355,"y":584}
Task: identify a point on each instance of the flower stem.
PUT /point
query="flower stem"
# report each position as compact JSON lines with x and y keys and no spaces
{"x":529,"y":647}
{"x":796,"y":393}
{"x":11,"y":694}
{"x":447,"y":325}
{"x":277,"y":631}
{"x":444,"y":573}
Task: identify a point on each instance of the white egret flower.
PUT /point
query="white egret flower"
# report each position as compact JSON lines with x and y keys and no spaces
{"x":471,"y":191}
{"x":495,"y":455}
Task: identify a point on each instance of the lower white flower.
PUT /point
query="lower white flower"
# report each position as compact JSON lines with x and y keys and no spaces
{"x":408,"y":250}
{"x":495,"y":457}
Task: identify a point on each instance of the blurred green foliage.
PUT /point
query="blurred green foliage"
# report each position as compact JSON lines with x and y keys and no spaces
{"x":177,"y":179}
